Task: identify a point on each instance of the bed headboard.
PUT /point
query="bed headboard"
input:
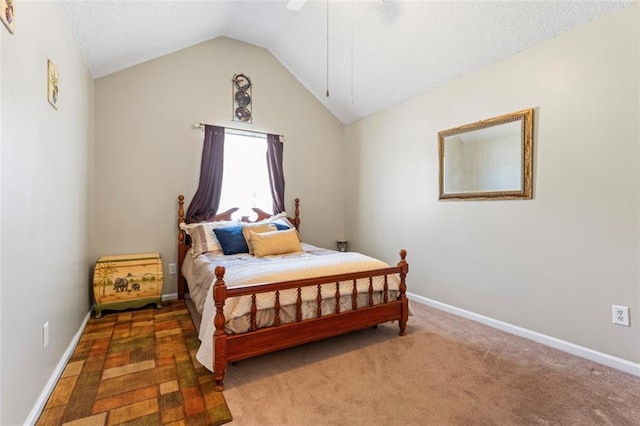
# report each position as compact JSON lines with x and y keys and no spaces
{"x":184,"y":244}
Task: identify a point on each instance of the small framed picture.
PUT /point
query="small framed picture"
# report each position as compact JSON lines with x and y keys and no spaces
{"x":8,"y":14}
{"x":52,"y":84}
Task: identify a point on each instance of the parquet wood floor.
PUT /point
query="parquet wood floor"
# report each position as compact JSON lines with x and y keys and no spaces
{"x":137,"y":367}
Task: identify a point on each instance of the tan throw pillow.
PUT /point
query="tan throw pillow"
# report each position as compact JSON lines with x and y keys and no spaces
{"x":275,"y":242}
{"x":248,"y":230}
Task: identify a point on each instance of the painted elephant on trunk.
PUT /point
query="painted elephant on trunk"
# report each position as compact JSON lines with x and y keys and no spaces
{"x":121,"y":284}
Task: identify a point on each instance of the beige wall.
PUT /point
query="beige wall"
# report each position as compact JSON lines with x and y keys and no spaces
{"x":1,"y":285}
{"x":146,"y":152}
{"x":554,"y":264}
{"x":45,"y":176}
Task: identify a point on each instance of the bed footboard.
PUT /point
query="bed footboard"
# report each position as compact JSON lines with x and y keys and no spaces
{"x":257,"y":341}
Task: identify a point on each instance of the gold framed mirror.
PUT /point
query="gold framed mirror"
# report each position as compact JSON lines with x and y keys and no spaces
{"x":488,"y":160}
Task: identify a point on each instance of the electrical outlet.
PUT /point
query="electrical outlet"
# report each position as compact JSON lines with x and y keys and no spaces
{"x":620,"y":315}
{"x":45,"y":335}
{"x":172,"y":268}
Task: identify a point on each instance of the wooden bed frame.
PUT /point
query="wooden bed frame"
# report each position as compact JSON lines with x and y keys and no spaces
{"x":234,"y":347}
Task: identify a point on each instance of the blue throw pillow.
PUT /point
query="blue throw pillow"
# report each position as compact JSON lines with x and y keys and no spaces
{"x":281,"y":227}
{"x":231,"y":240}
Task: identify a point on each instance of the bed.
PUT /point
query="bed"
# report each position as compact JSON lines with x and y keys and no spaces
{"x":259,"y":302}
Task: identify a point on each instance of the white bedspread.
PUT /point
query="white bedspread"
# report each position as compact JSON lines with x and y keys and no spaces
{"x":246,"y":269}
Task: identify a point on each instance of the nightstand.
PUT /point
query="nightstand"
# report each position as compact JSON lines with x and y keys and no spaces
{"x":127,"y":281}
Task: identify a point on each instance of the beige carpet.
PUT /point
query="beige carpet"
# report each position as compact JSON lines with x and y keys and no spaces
{"x":446,"y":371}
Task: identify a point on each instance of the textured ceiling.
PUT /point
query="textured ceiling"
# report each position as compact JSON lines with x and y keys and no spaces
{"x":381,"y":51}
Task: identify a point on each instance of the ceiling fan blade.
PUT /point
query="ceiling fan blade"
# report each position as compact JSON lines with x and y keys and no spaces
{"x":296,"y":5}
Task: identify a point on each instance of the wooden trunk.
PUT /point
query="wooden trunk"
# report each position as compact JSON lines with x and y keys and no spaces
{"x":127,"y":281}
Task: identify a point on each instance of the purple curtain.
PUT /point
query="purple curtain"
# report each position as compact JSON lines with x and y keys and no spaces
{"x":206,"y":200}
{"x":276,"y":174}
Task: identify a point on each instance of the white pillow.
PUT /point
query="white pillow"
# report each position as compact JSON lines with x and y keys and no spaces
{"x":281,"y":218}
{"x":203,"y":239}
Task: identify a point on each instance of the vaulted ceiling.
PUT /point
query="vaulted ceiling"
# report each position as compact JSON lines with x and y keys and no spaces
{"x":378,"y":53}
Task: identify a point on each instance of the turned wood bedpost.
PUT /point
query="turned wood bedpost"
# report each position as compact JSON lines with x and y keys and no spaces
{"x":181,"y":247}
{"x":219,"y":336}
{"x":403,"y":291}
{"x":296,"y":218}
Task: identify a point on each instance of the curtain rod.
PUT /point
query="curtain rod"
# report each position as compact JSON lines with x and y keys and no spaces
{"x":201,"y":126}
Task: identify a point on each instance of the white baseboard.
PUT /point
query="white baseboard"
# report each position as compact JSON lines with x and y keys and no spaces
{"x":581,"y":351}
{"x":36,"y":411}
{"x":171,"y":296}
{"x":53,"y":380}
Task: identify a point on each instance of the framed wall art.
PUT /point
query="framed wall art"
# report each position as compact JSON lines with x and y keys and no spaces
{"x":8,"y":14}
{"x":52,"y":84}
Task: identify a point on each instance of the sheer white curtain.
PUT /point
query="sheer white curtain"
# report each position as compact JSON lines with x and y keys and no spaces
{"x":245,"y":180}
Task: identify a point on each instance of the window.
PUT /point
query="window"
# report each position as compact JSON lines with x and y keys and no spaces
{"x":239,"y":169}
{"x":245,"y":179}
